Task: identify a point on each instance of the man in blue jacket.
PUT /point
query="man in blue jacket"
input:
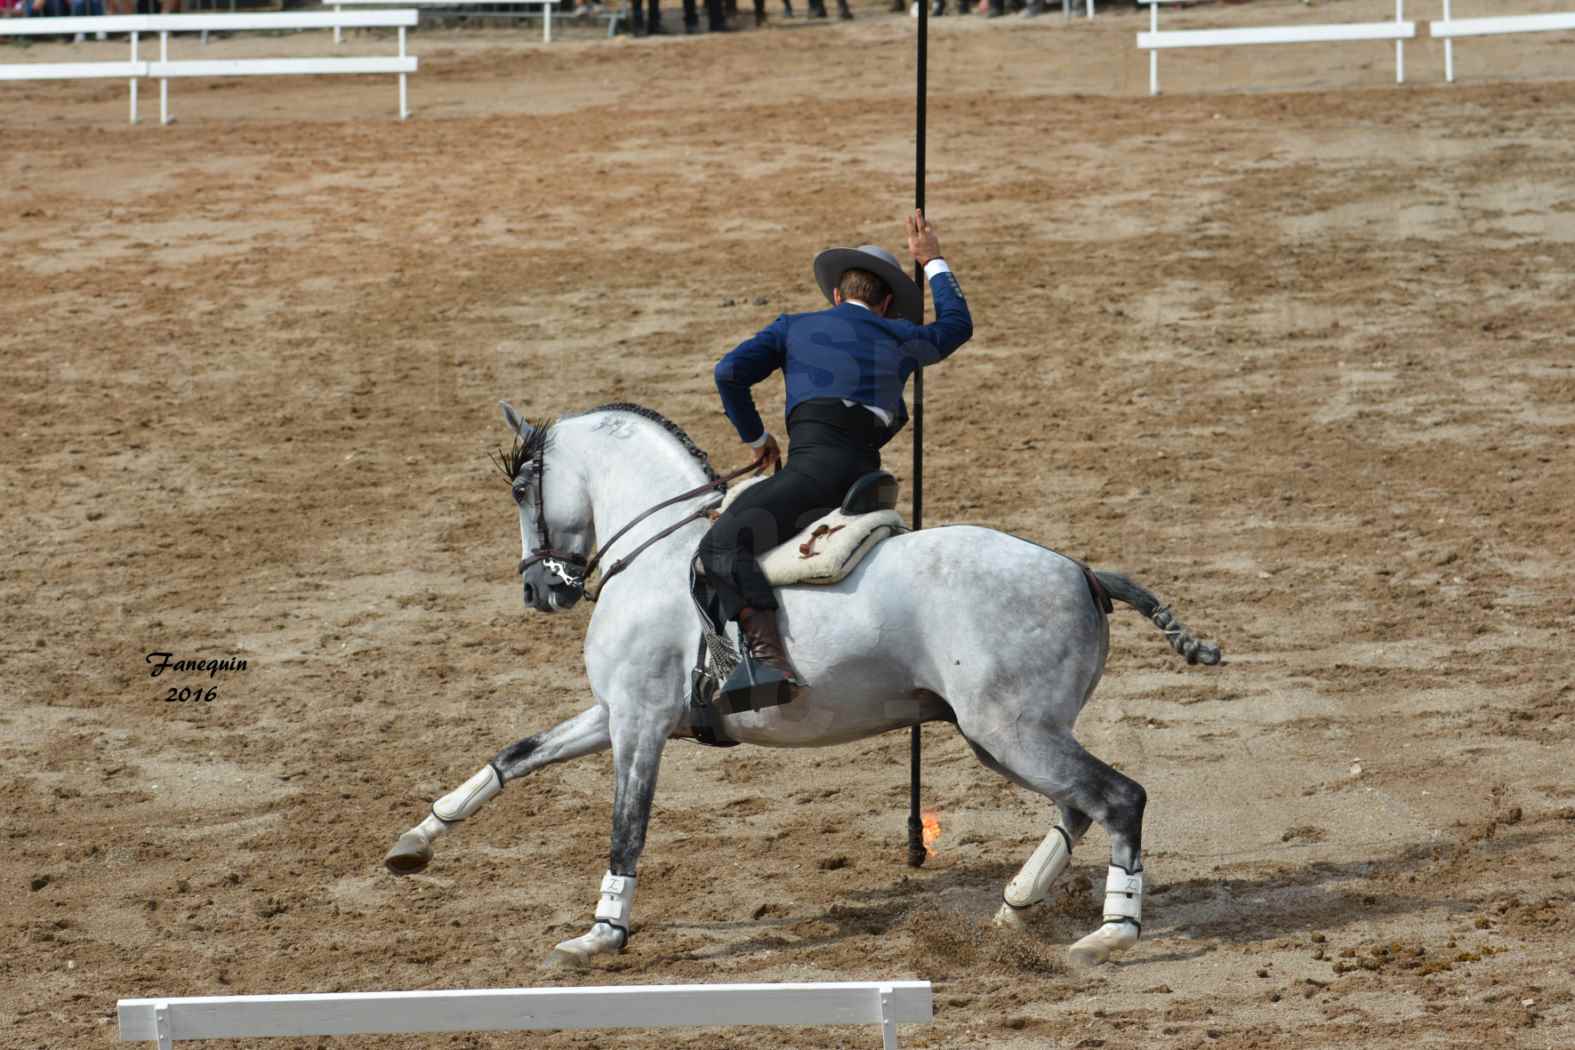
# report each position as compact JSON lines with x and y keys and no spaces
{"x":846,"y":369}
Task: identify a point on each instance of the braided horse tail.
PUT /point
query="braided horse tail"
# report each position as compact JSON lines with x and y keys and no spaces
{"x":1145,"y":602}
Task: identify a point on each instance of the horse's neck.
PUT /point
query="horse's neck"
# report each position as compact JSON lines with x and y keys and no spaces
{"x":630,"y":469}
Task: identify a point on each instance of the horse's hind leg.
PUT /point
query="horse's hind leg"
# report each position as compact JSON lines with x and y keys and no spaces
{"x":584,"y":734}
{"x":1050,"y":762}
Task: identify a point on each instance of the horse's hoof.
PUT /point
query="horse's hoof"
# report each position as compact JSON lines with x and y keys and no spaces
{"x":576,"y":953}
{"x":1011,"y":918}
{"x":1100,"y":945}
{"x":412,"y":853}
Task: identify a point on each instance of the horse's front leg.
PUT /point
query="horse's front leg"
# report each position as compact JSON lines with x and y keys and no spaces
{"x":638,"y":737}
{"x":584,"y":734}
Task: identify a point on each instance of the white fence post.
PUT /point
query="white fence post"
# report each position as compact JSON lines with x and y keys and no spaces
{"x":546,"y":23}
{"x":1153,"y":54}
{"x":133,"y":79}
{"x":1449,"y":50}
{"x":161,"y":1026}
{"x":888,"y":1021}
{"x":404,"y":107}
{"x":1399,"y":43}
{"x":164,"y":82}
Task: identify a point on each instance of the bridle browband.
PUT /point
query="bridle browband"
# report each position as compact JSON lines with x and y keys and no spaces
{"x":572,"y":569}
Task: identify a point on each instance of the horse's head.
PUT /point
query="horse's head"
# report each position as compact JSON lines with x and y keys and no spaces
{"x":557,"y":533}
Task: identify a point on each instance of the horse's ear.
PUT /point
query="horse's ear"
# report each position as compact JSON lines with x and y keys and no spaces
{"x":515,"y":421}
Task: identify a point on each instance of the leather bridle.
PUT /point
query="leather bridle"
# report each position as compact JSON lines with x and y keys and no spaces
{"x":573,"y":570}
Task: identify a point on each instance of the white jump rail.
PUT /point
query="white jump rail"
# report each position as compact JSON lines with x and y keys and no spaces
{"x":135,"y":26}
{"x":1154,"y":41}
{"x":545,"y":5}
{"x":1450,"y":28}
{"x":168,"y":1021}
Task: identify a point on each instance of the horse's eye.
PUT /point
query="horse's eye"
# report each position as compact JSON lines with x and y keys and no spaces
{"x":520,"y":488}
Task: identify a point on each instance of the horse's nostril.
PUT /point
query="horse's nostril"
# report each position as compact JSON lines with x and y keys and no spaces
{"x":530,"y":595}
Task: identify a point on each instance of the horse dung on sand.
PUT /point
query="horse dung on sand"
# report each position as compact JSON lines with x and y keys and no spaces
{"x":997,"y":635}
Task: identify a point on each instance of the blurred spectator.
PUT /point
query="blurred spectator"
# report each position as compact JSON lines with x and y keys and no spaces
{"x":89,"y":8}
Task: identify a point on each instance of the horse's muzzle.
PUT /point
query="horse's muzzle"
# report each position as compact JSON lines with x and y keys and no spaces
{"x":552,"y":598}
{"x":546,"y":589}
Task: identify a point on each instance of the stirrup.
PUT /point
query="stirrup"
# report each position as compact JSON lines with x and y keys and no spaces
{"x":753,"y":686}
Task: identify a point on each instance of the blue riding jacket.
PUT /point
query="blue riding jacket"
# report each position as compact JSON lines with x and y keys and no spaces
{"x":847,"y":352}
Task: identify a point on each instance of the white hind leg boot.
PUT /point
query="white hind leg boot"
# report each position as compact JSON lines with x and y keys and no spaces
{"x":611,"y":931}
{"x":414,"y":849}
{"x":1123,"y":920}
{"x":1032,"y":884}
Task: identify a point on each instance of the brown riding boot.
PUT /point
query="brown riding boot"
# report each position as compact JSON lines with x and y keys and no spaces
{"x":763,"y":641}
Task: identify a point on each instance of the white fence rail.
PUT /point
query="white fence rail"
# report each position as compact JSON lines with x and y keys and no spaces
{"x":1154,"y":41}
{"x":545,"y":5}
{"x":1449,"y":28}
{"x":164,"y":69}
{"x":167,"y":1021}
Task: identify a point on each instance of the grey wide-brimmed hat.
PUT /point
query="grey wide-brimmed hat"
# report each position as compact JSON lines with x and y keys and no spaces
{"x":907,"y":301}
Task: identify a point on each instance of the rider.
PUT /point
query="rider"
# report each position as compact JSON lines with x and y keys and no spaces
{"x":846,"y":368}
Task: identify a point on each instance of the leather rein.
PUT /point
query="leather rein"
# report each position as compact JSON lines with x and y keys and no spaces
{"x":560,"y":563}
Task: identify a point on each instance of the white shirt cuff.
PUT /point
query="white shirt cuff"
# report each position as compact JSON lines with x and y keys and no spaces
{"x":935,"y":266}
{"x":761,"y":440}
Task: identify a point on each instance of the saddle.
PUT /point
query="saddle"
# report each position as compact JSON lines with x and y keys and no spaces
{"x":832,"y":546}
{"x":823,"y":553}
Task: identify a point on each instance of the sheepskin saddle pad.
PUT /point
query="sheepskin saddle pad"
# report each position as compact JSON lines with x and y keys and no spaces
{"x":833,"y":546}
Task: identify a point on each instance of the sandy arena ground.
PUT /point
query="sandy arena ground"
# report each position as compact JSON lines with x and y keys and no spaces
{"x":1290,"y":344}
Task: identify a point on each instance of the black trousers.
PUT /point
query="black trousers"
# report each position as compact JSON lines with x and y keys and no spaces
{"x":830,"y":446}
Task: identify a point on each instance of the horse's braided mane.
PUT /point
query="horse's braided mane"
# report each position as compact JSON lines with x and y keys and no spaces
{"x":666,"y":424}
{"x":523,"y":451}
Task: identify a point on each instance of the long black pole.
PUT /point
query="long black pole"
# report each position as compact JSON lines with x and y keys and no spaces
{"x":916,"y":850}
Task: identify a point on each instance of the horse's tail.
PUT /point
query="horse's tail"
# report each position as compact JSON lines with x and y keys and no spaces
{"x":1145,"y":602}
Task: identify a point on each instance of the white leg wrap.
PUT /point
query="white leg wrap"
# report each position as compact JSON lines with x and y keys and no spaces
{"x":468,"y":797}
{"x":1032,"y":884}
{"x":1123,"y":896}
{"x":617,"y":900}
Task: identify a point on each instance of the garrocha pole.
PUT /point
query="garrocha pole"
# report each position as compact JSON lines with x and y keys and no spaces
{"x":916,"y":850}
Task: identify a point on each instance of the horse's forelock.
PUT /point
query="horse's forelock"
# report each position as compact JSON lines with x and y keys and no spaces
{"x":527,"y":446}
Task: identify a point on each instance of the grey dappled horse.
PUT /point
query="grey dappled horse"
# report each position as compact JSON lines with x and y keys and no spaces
{"x":960,"y":624}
